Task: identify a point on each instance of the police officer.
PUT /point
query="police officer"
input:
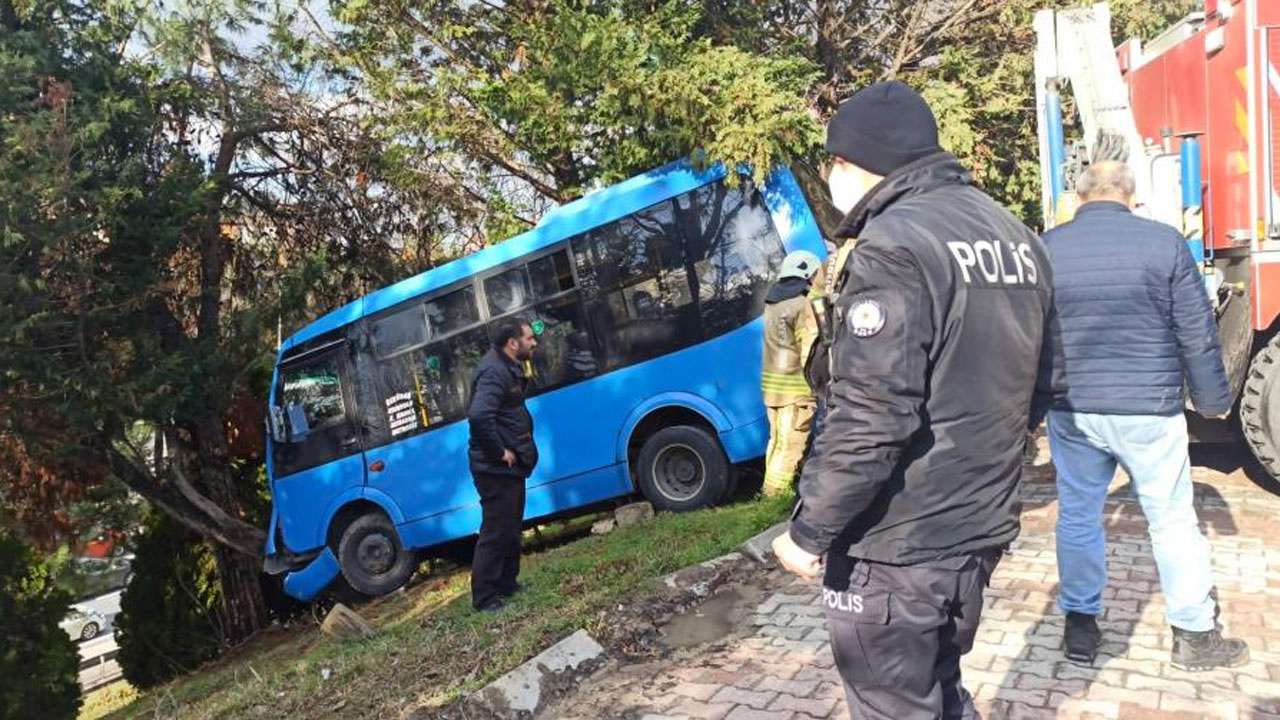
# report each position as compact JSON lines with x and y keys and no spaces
{"x":939,"y":325}
{"x":502,"y":455}
{"x":789,"y":332}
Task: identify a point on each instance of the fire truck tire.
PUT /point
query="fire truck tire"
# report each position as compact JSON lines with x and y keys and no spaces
{"x":1260,"y":407}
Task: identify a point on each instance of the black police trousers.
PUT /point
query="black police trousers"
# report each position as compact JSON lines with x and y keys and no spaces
{"x":898,"y":632}
{"x":497,"y":559}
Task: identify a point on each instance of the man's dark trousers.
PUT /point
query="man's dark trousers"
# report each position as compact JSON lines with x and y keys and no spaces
{"x":497,"y":559}
{"x":898,"y":632}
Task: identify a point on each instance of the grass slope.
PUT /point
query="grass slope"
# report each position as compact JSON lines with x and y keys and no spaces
{"x":431,"y":647}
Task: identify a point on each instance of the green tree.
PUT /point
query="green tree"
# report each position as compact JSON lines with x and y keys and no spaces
{"x":168,"y":199}
{"x":168,"y":621}
{"x":529,"y":104}
{"x":983,"y":91}
{"x":38,"y":661}
{"x":98,"y":215}
{"x":972,"y":59}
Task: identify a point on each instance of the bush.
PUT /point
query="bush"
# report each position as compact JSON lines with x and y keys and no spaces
{"x":167,"y":624}
{"x":38,"y":662}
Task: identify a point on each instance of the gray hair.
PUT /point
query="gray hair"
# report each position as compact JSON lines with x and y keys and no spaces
{"x":1107,"y":179}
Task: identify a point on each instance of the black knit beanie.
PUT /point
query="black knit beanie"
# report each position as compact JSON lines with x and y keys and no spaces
{"x":883,"y":127}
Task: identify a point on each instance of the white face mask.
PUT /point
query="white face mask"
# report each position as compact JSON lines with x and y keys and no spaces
{"x":846,"y":187}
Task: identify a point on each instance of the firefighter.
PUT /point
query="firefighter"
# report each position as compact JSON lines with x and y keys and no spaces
{"x":789,"y":332}
{"x":939,"y":330}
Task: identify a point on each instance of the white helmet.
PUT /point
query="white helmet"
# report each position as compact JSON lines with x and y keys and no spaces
{"x":799,"y":264}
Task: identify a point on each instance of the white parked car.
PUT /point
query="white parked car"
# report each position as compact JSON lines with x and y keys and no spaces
{"x":83,"y":624}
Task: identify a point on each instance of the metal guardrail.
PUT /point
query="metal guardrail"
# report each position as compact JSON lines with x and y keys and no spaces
{"x":100,"y":659}
{"x":105,"y":675}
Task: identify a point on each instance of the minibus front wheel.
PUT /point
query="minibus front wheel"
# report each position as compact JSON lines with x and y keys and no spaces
{"x":372,"y":559}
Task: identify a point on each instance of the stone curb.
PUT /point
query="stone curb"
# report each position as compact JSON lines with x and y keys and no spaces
{"x":523,"y":691}
{"x":760,"y":547}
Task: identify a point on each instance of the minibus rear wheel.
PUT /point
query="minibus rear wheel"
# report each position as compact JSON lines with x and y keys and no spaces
{"x":372,"y":560}
{"x":682,"y":468}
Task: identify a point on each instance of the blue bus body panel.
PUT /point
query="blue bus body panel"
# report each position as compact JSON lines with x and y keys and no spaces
{"x":746,"y":442}
{"x":791,"y":214}
{"x":426,"y":474}
{"x":669,"y":399}
{"x":547,"y":499}
{"x":581,"y":430}
{"x":310,"y":581}
{"x":596,"y":209}
{"x":271,"y":548}
{"x":307,"y":499}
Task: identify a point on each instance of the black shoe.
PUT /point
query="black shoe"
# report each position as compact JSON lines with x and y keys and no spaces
{"x":1196,"y":651}
{"x":519,"y":588}
{"x":1081,"y":638}
{"x":493,"y":606}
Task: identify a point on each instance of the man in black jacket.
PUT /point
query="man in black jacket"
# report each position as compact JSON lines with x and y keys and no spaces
{"x":502,"y":455}
{"x":1136,"y":321}
{"x":940,"y":332}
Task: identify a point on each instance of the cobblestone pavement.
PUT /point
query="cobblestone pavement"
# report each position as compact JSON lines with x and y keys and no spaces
{"x":781,"y":665}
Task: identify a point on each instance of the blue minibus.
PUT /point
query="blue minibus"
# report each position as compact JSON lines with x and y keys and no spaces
{"x":647,"y":298}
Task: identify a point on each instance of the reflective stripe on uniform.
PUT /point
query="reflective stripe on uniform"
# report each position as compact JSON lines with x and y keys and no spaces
{"x":785,"y":384}
{"x":777,"y":482}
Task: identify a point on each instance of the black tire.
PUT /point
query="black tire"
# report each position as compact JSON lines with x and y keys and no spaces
{"x":341,"y":591}
{"x":372,"y":560}
{"x":89,"y":632}
{"x":683,"y":468}
{"x":1260,"y":407}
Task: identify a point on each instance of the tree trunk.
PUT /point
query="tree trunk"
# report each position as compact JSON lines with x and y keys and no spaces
{"x":175,"y":501}
{"x":244,"y":610}
{"x":827,"y":20}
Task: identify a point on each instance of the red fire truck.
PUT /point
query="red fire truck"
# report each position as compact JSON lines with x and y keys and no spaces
{"x":1200,"y":106}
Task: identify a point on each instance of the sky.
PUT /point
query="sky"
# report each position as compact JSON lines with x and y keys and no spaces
{"x":254,"y":35}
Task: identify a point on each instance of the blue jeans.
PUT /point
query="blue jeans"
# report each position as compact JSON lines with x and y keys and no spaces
{"x":1152,"y":449}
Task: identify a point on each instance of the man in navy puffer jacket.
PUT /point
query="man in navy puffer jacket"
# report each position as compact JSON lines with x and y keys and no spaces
{"x":1136,"y":322}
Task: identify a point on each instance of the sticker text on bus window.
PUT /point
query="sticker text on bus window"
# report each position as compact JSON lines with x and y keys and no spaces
{"x":400,"y":413}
